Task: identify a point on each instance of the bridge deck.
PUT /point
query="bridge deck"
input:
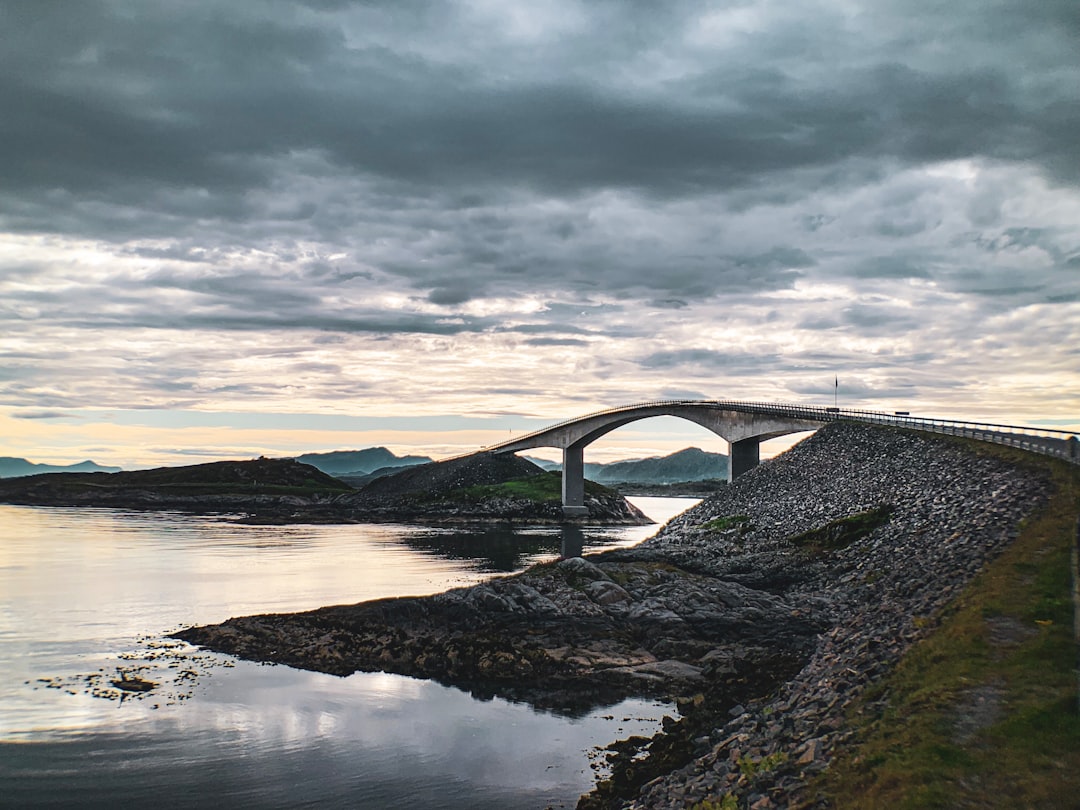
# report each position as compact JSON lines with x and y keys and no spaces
{"x":745,"y":424}
{"x":1057,"y":443}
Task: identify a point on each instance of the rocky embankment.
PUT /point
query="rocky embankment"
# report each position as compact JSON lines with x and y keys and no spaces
{"x":766,"y":611}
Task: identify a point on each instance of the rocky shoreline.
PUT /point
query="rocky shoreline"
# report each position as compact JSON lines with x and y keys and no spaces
{"x":766,"y":611}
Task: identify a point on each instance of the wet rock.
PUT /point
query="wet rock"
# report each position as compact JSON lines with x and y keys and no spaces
{"x":878,"y":594}
{"x":607,"y":593}
{"x":583,"y":569}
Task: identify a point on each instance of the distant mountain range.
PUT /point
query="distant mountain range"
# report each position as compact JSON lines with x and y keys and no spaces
{"x":360,"y":466}
{"x":17,"y":467}
{"x":691,"y":464}
{"x":357,"y":463}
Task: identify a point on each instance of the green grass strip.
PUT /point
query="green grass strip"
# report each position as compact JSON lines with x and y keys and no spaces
{"x":543,"y":487}
{"x":983,"y":713}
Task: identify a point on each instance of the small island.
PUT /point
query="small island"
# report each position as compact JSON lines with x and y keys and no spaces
{"x":479,"y":488}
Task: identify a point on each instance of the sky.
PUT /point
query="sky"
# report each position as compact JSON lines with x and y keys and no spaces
{"x":231,"y":229}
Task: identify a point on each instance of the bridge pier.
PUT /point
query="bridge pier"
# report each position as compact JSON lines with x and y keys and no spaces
{"x":573,"y":542}
{"x":745,"y":455}
{"x":573,"y":481}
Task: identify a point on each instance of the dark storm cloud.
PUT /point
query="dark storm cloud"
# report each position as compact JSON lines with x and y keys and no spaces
{"x":884,"y":319}
{"x":386,"y":324}
{"x":107,"y":99}
{"x":654,"y":155}
{"x":796,"y":365}
{"x":701,"y":358}
{"x":895,"y":266}
{"x":556,"y":342}
{"x":856,"y":388}
{"x":315,"y":368}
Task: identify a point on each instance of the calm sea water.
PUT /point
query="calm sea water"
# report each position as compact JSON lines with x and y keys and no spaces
{"x":88,"y":593}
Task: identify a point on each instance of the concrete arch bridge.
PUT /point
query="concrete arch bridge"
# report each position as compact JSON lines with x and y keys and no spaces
{"x":744,"y":425}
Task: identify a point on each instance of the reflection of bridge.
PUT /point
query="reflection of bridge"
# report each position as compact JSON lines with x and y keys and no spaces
{"x":744,"y":425}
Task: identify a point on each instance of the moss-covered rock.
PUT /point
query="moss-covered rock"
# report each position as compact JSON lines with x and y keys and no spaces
{"x":841,"y":533}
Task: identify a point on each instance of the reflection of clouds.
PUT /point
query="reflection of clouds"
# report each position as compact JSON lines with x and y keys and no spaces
{"x":268,"y":732}
{"x":396,"y":686}
{"x":662,"y":509}
{"x":366,"y":715}
{"x":123,"y":574}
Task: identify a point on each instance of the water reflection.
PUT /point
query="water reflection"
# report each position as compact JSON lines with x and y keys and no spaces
{"x":504,"y":549}
{"x":81,"y":587}
{"x":275,"y":737}
{"x":496,"y":549}
{"x":573,"y":542}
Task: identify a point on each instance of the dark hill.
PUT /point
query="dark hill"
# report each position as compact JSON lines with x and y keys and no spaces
{"x":480,"y":487}
{"x":691,"y":464}
{"x":484,"y":487}
{"x":260,"y":472}
{"x":479,"y":469}
{"x":233,"y":485}
{"x":359,"y":480}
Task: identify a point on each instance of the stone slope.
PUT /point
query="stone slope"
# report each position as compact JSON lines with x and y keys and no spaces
{"x":951,"y":512}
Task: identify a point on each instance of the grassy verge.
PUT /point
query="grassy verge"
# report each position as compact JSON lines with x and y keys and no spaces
{"x":726,"y":522}
{"x":984,"y":712}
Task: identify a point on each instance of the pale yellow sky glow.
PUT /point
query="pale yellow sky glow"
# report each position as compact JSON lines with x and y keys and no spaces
{"x":132,"y":446}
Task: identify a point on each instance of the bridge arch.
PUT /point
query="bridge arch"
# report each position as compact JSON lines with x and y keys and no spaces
{"x":744,"y":432}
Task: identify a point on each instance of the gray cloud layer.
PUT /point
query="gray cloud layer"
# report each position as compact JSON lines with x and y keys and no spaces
{"x":108,"y":97}
{"x":290,"y":166}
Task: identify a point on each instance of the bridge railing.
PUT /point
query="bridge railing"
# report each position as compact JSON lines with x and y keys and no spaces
{"x":1048,"y":441}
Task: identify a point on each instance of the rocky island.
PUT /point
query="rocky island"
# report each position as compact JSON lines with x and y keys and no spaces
{"x":767,"y":612}
{"x":480,"y":488}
